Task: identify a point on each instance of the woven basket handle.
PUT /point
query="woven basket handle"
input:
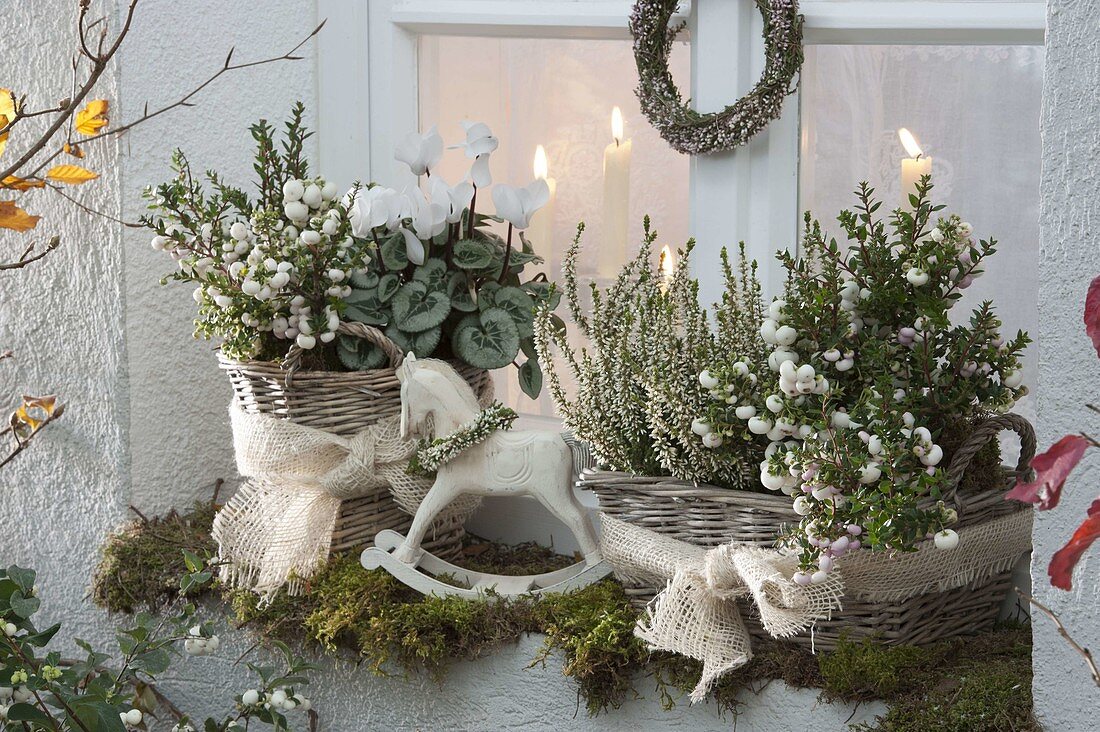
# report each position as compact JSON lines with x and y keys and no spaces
{"x":393,"y":352}
{"x":982,"y":434}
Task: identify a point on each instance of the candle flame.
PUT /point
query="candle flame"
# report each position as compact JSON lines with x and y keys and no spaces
{"x":617,"y":125}
{"x":542,"y":165}
{"x":666,"y":263}
{"x":910,"y":143}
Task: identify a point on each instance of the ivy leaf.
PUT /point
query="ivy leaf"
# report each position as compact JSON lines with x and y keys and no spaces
{"x":530,"y":378}
{"x":472,"y":254}
{"x":421,"y":344}
{"x":488,"y":340}
{"x":358,"y":354}
{"x":72,"y":175}
{"x":15,"y":218}
{"x":416,"y":308}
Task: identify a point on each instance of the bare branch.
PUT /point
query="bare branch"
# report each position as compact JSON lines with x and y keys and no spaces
{"x":27,"y":258}
{"x":88,"y":209}
{"x":21,"y":445}
{"x":185,"y":100}
{"x":1085,"y":653}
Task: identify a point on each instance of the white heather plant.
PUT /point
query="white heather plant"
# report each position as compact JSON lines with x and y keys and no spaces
{"x":869,"y":385}
{"x":637,"y":398}
{"x":290,"y":266}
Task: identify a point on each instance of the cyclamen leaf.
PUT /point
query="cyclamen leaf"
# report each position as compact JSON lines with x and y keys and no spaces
{"x":364,"y":306}
{"x":1092,"y":314}
{"x":432,"y":273}
{"x":488,"y":340}
{"x":388,"y":287}
{"x":458,"y":287}
{"x":1065,"y":559}
{"x":1051,"y":470}
{"x":367,"y":281}
{"x":421,"y":344}
{"x":520,"y":306}
{"x":358,"y":354}
{"x":393,"y":253}
{"x":416,"y":308}
{"x":472,"y":254}
{"x":530,"y":378}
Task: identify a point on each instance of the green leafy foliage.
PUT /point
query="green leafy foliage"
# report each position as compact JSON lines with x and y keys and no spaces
{"x":114,"y":692}
{"x":487,"y":340}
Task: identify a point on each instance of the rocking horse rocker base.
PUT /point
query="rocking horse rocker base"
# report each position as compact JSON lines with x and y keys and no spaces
{"x":421,"y":575}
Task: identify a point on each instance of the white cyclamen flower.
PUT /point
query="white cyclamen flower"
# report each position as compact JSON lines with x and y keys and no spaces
{"x":428,"y":220}
{"x":371,"y":208}
{"x":517,"y":205}
{"x":420,"y":152}
{"x":479,"y":145}
{"x":455,"y":199}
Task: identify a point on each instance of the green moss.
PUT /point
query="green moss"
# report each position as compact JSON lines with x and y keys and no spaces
{"x":984,"y":471}
{"x":973,"y":684}
{"x":141,"y":564}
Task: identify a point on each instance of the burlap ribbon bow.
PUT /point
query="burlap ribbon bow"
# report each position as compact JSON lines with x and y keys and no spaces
{"x":277,"y":529}
{"x":696,"y":615}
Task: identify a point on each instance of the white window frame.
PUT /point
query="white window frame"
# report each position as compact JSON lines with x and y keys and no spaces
{"x":368,"y":93}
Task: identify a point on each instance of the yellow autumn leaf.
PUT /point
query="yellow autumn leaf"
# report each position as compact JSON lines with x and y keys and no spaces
{"x":16,"y":183}
{"x":7,"y":114}
{"x":13,"y":217}
{"x":31,"y":414}
{"x":74,"y":175}
{"x":93,"y":118}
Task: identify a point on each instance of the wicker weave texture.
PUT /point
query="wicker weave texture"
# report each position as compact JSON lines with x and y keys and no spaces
{"x":709,"y":516}
{"x":344,"y":403}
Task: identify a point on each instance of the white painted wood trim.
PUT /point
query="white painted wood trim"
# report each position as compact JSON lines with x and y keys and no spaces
{"x":603,"y":19}
{"x":343,"y":101}
{"x":866,"y":22}
{"x":394,"y":92}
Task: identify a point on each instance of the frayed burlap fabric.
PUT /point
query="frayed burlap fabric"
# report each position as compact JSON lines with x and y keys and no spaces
{"x":277,"y":529}
{"x":696,"y":615}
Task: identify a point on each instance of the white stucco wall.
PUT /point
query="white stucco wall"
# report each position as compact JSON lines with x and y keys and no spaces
{"x":1065,"y":696}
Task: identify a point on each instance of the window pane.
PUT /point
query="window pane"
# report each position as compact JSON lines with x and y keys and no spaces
{"x":975,"y":111}
{"x":558,"y":94}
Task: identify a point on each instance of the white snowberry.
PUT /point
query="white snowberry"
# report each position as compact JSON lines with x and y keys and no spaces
{"x":947,"y":539}
{"x":1012,"y":379}
{"x":293,"y":190}
{"x":700,"y":427}
{"x":916,"y":277}
{"x":311,"y":196}
{"x":250,"y":698}
{"x":708,"y":381}
{"x":712,"y":440}
{"x":305,"y":342}
{"x":745,"y":412}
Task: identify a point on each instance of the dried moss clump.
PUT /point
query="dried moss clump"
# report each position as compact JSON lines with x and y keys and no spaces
{"x":978,"y":684}
{"x":142,"y":563}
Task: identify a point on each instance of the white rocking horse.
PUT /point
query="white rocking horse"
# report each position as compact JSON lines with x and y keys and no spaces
{"x":434,"y":398}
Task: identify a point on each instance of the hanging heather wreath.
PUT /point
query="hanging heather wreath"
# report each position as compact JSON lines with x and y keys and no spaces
{"x":696,"y":133}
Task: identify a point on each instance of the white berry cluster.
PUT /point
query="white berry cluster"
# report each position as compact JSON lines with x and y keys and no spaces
{"x":9,"y":695}
{"x":280,"y":271}
{"x":865,"y":370}
{"x":280,"y":700}
{"x":199,"y":644}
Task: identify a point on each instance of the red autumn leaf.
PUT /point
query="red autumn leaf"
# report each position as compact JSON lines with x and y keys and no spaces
{"x":1066,"y":558}
{"x":1092,"y":314}
{"x":1051,"y":470}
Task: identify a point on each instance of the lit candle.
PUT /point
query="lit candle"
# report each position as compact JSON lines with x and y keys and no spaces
{"x":912,"y":167}
{"x":666,"y":266}
{"x":616,"y":198}
{"x":541,"y":231}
